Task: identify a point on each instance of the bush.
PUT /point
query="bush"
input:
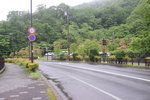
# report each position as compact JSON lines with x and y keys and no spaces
{"x":92,"y":54}
{"x":23,"y":62}
{"x":63,"y":56}
{"x":97,"y":58}
{"x":120,"y":54}
{"x":112,"y":57}
{"x":9,"y":60}
{"x":74,"y":55}
{"x":147,"y":58}
{"x":78,"y":57}
{"x":32,"y":66}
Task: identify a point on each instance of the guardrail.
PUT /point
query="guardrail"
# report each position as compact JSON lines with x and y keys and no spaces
{"x":2,"y":64}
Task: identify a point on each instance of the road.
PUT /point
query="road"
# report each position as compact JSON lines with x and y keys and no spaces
{"x":81,"y":81}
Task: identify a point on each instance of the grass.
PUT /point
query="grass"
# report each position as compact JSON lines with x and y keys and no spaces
{"x":50,"y":94}
{"x":35,"y":75}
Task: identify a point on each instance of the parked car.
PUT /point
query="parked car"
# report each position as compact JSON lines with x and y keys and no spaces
{"x":49,"y":54}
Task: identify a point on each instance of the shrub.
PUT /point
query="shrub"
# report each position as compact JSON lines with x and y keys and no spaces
{"x":126,"y":58}
{"x":74,"y":55}
{"x":9,"y":60}
{"x":97,"y":58}
{"x":147,"y":58}
{"x":112,"y":57}
{"x":120,"y":54}
{"x":79,"y":57}
{"x":93,"y":53}
{"x":23,"y":62}
{"x":32,"y":66}
{"x":63,"y":56}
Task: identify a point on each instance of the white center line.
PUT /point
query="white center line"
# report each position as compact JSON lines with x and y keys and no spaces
{"x":14,"y":96}
{"x":42,"y":92}
{"x":31,"y":87}
{"x":107,"y":93}
{"x":112,"y":73}
{"x":25,"y":92}
{"x":38,"y":98}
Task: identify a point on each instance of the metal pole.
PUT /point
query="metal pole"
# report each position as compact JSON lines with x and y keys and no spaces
{"x":29,"y":51}
{"x":31,"y":44}
{"x":68,"y":37}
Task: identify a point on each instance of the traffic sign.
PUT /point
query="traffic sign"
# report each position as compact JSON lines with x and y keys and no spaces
{"x":32,"y":38}
{"x":32,"y":30}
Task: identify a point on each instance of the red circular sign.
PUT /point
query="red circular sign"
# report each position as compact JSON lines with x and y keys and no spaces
{"x":32,"y":38}
{"x":32,"y":30}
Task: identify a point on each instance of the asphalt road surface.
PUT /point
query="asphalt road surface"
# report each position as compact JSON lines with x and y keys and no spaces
{"x":81,"y":81}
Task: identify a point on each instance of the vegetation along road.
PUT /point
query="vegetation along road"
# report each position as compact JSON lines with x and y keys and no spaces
{"x":81,"y":81}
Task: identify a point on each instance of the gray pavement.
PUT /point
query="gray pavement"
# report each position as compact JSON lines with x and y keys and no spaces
{"x":81,"y":81}
{"x":15,"y":84}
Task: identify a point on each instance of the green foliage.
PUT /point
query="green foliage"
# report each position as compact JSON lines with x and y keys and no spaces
{"x":73,"y":47}
{"x":117,"y":19}
{"x":63,"y":56}
{"x":23,"y":62}
{"x":33,"y":66}
{"x":57,"y":49}
{"x":50,"y":94}
{"x":119,"y":54}
{"x":92,"y":54}
{"x":74,"y":55}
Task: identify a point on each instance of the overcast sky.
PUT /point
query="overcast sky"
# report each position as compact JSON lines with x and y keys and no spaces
{"x":19,"y":5}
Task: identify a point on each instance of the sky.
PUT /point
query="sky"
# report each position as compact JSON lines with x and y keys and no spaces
{"x":24,"y":5}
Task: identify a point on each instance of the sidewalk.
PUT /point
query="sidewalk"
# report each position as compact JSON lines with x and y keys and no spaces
{"x":15,"y":84}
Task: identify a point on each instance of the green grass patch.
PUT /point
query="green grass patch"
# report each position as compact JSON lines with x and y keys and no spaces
{"x":35,"y":75}
{"x":50,"y":94}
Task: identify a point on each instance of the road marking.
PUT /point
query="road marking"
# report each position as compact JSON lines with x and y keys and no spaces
{"x":25,"y":92}
{"x":112,"y":73}
{"x":24,"y":86}
{"x":14,"y":96}
{"x":42,"y":92}
{"x":31,"y":87}
{"x":107,"y":93}
{"x":38,"y":98}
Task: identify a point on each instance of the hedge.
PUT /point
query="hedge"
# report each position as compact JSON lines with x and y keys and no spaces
{"x":23,"y":62}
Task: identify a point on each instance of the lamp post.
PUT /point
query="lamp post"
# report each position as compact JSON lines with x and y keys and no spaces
{"x":68,"y":35}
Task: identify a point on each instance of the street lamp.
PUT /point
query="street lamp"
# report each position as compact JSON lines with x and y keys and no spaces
{"x":68,"y":34}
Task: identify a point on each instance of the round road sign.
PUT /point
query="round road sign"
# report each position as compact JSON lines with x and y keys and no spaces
{"x":32,"y":38}
{"x":32,"y":30}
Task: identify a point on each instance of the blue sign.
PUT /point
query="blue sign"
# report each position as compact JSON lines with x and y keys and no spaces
{"x":32,"y":38}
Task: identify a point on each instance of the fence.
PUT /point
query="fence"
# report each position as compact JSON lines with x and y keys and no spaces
{"x":2,"y":63}
{"x":131,"y":61}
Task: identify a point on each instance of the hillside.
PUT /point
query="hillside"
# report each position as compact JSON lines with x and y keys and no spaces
{"x":125,"y":25}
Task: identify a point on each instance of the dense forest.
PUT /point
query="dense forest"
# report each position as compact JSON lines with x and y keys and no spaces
{"x":124,"y":24}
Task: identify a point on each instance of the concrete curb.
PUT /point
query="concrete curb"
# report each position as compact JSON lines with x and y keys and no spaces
{"x":56,"y":93}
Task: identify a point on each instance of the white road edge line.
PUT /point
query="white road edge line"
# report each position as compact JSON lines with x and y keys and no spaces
{"x":109,"y":94}
{"x":112,"y":73}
